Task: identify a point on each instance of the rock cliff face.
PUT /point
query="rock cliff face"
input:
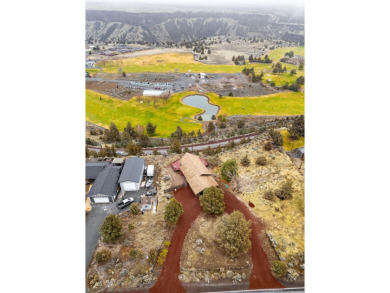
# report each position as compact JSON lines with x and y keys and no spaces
{"x":121,"y":26}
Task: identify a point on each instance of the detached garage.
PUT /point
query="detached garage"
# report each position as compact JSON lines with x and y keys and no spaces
{"x":104,"y":189}
{"x":131,"y":177}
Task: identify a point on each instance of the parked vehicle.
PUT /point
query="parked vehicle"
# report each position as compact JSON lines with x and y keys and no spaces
{"x":149,"y":183}
{"x":151,"y":192}
{"x":150,"y":171}
{"x":126,"y":202}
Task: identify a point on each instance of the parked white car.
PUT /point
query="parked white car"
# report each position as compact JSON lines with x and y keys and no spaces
{"x":149,"y":183}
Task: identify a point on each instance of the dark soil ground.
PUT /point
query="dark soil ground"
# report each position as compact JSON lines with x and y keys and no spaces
{"x":239,"y":89}
{"x":112,"y":89}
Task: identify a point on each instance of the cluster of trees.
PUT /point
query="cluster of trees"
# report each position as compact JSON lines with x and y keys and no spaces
{"x":203,"y":57}
{"x":210,"y":127}
{"x":289,"y":54}
{"x":278,"y":68}
{"x":129,"y":133}
{"x":239,"y":59}
{"x":257,"y":78}
{"x":276,"y":137}
{"x":104,"y":152}
{"x":248,"y":71}
{"x":180,"y":134}
{"x":211,"y":152}
{"x":295,"y":86}
{"x":259,"y":60}
{"x":200,"y":49}
{"x":297,"y":128}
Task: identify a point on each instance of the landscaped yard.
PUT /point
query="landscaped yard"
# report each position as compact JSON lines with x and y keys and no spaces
{"x":284,"y":103}
{"x":166,"y":115}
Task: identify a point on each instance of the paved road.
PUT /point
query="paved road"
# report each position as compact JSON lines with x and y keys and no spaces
{"x":198,"y":147}
{"x":195,"y":147}
{"x":95,"y":219}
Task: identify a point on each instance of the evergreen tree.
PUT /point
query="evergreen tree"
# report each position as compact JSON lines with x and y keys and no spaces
{"x":130,"y":130}
{"x":234,"y":234}
{"x":133,"y":149}
{"x":111,"y":229}
{"x":210,"y":127}
{"x":212,"y":201}
{"x":173,"y":211}
{"x":298,"y":127}
{"x":151,"y":129}
{"x":229,"y":170}
{"x":175,"y":146}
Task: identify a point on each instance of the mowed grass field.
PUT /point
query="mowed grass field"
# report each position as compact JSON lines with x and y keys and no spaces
{"x":166,"y":116}
{"x":289,"y":144}
{"x":279,"y":104}
{"x":279,"y":53}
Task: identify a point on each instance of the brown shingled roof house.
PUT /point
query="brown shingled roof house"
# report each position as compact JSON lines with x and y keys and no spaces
{"x":198,"y":176}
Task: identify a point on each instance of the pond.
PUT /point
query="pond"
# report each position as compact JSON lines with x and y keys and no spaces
{"x":201,"y":102}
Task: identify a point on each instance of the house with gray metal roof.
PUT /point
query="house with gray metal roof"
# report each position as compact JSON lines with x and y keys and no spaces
{"x":105,"y":187}
{"x":92,"y":170}
{"x":132,"y":173}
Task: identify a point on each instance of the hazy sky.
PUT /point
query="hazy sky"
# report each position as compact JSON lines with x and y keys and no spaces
{"x":223,"y":3}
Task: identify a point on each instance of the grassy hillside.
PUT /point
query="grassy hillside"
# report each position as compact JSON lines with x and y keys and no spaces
{"x":288,"y":145}
{"x":284,"y":103}
{"x":183,"y":62}
{"x":166,"y":115}
{"x":279,"y":53}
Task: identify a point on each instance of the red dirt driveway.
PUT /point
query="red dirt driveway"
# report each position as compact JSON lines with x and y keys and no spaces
{"x":261,"y":277}
{"x":168,"y":282}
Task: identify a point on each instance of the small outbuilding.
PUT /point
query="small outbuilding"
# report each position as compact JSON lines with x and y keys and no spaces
{"x":132,"y":173}
{"x":149,"y":93}
{"x":118,"y":161}
{"x":146,"y":203}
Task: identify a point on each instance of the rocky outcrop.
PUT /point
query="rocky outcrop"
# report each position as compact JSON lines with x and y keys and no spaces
{"x":118,"y":26}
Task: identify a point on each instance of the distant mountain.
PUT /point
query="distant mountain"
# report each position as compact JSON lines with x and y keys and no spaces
{"x":160,"y":27}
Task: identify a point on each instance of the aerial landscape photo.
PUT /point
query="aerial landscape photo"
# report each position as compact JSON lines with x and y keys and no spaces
{"x":195,"y":146}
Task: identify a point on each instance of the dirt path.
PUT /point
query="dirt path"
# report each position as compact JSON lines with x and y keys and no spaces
{"x":261,"y":277}
{"x":168,"y":282}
